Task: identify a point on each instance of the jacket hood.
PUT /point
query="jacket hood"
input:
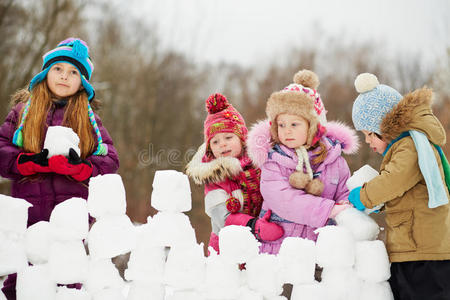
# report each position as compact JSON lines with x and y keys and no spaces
{"x":414,"y":112}
{"x":214,"y":171}
{"x":259,"y":141}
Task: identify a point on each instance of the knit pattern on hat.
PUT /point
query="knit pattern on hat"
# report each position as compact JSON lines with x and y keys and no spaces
{"x":222,"y":117}
{"x":374,"y":102}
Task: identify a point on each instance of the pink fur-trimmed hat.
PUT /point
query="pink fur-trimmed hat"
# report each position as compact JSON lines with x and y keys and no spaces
{"x":222,"y":117}
{"x":302,"y":99}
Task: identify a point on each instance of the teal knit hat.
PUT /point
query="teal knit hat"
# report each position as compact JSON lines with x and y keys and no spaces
{"x":373,"y":103}
{"x":76,"y":52}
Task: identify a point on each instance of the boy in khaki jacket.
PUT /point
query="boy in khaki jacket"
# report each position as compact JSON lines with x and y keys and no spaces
{"x":411,"y":185}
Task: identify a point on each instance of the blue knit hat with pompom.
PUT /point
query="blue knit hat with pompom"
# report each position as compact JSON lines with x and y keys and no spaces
{"x":76,"y":52}
{"x":373,"y":103}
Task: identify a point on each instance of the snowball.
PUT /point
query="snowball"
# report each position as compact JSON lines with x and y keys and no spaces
{"x":365,"y":82}
{"x":248,"y":294}
{"x":297,"y":260}
{"x":109,"y":294}
{"x":361,"y":176}
{"x":68,"y":262}
{"x":237,"y":244}
{"x":376,"y":291}
{"x":34,"y":283}
{"x":141,"y":291}
{"x":313,"y":291}
{"x":341,"y":283}
{"x":146,"y":264}
{"x":184,"y":295}
{"x":263,"y":275}
{"x":102,"y":274}
{"x":361,"y":226}
{"x":64,"y":293}
{"x":171,"y":192}
{"x":60,"y":139}
{"x":12,"y":255}
{"x":37,"y":242}
{"x":372,"y":261}
{"x":171,"y":229}
{"x":185,"y":267}
{"x":106,"y":196}
{"x":111,"y":236}
{"x":222,"y":279}
{"x":70,"y":220}
{"x":335,"y":247}
{"x":13,"y":214}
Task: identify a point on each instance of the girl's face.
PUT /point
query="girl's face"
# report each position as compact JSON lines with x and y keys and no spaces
{"x":226,"y":144}
{"x":377,"y":144}
{"x":63,"y":80}
{"x":292,"y":130}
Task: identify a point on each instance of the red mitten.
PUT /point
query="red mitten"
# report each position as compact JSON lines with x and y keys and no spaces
{"x":32,"y":163}
{"x":267,"y":231}
{"x":74,"y":166}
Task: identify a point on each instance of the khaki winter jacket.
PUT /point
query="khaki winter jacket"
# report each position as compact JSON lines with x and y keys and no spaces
{"x":414,"y":231}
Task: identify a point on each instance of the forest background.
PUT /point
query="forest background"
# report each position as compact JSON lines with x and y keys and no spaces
{"x":153,"y":96}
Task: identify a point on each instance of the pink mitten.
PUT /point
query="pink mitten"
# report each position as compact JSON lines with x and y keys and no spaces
{"x":267,"y":231}
{"x":337,"y":208}
{"x":213,"y":242}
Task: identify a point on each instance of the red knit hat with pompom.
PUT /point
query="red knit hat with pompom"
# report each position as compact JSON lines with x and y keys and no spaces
{"x":222,"y":117}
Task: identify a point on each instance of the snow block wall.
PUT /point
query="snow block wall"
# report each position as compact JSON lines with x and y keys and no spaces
{"x":167,"y":263}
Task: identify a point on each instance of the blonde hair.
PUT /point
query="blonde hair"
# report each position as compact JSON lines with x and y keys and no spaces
{"x":75,"y":116}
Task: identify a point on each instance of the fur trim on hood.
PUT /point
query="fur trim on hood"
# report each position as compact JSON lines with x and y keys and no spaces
{"x":214,"y":171}
{"x":413,"y":112}
{"x":259,"y":140}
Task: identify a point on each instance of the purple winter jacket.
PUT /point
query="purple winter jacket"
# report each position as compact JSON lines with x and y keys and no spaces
{"x":298,"y":212}
{"x":48,"y":189}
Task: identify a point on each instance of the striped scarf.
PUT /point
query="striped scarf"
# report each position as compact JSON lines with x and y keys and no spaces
{"x":249,"y":180}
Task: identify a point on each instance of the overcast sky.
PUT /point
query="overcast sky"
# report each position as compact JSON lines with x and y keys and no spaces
{"x":251,"y":31}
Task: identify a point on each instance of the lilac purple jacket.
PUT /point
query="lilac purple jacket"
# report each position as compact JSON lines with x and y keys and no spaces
{"x":298,"y":212}
{"x":49,"y":189}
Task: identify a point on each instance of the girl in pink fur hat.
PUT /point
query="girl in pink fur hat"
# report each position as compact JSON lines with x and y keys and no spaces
{"x":303,"y":174}
{"x":232,"y":195}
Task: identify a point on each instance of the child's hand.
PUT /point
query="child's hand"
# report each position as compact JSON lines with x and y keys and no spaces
{"x":337,"y":208}
{"x":74,"y":166}
{"x":355,"y":199}
{"x":32,"y":163}
{"x":267,"y":231}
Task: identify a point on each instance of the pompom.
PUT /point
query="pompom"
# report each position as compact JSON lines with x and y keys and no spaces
{"x":216,"y":102}
{"x":79,"y":49}
{"x":298,"y":180}
{"x":366,"y":82}
{"x":233,"y":205}
{"x":307,"y":78}
{"x":314,"y":187}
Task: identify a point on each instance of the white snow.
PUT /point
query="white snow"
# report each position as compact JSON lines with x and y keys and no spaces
{"x":167,"y":263}
{"x":237,"y":244}
{"x":60,"y":139}
{"x":111,"y":236}
{"x":297,"y":260}
{"x":13,"y":214}
{"x":106,"y":196}
{"x":37,"y":242}
{"x":34,"y":282}
{"x":69,"y":220}
{"x":171,"y":191}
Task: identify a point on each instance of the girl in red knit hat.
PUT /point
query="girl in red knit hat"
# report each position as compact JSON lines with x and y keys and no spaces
{"x":231,"y":181}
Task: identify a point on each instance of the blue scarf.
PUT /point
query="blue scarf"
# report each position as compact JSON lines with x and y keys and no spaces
{"x":428,"y":165}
